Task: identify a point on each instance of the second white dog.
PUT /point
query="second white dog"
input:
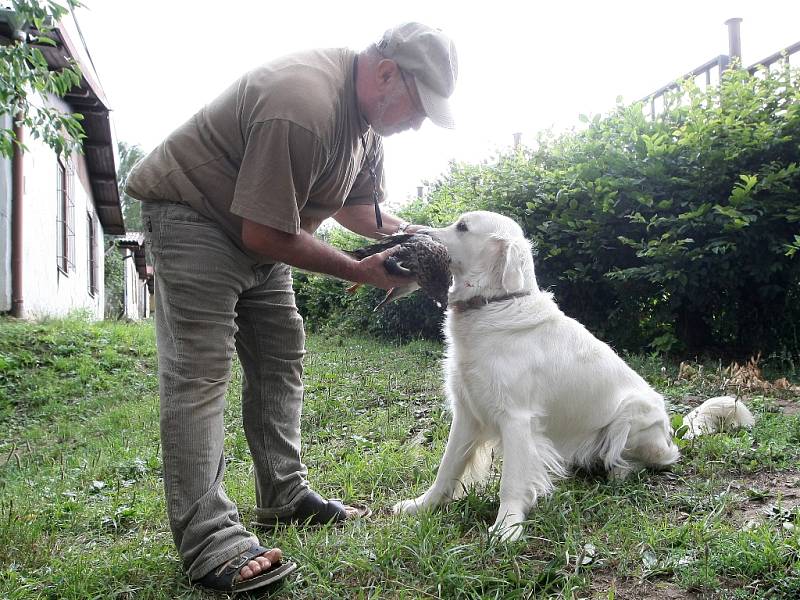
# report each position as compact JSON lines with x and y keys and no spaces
{"x":529,"y":382}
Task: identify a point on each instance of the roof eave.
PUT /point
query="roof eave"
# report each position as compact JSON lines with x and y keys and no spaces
{"x":88,"y":99}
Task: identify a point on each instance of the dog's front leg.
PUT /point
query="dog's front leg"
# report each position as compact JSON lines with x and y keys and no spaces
{"x":524,"y":475}
{"x":461,"y":446}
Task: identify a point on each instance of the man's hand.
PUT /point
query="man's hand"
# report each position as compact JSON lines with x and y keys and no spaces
{"x":375,"y":272}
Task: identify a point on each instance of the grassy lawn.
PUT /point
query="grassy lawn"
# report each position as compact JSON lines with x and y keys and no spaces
{"x":82,"y":515}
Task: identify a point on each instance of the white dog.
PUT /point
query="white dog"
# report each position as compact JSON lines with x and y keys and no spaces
{"x":526,"y":380}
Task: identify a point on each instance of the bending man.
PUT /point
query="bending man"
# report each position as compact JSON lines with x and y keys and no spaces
{"x":231,"y":200}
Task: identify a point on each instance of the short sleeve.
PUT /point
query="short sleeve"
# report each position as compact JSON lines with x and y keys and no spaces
{"x":280,"y":163}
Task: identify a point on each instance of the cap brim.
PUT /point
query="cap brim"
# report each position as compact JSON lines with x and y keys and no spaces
{"x":437,"y":108}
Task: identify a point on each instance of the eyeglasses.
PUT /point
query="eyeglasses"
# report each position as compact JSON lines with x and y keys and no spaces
{"x":415,"y":101}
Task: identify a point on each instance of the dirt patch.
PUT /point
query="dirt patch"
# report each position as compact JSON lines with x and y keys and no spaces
{"x":787,"y":406}
{"x":767,"y":498}
{"x":631,"y":588}
{"x":755,"y":499}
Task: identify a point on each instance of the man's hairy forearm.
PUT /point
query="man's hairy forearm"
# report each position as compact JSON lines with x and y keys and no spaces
{"x":304,"y":251}
{"x":301,"y":250}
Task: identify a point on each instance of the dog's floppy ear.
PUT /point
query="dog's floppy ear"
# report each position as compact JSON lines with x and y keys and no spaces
{"x":511,"y":263}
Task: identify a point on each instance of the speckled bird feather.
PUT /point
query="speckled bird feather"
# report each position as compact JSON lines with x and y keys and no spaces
{"x":419,"y":257}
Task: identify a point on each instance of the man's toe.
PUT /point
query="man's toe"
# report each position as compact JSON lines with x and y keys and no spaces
{"x":260,"y":564}
{"x":248,"y":571}
{"x":358,"y":511}
{"x":263,"y":563}
{"x":273,"y":555}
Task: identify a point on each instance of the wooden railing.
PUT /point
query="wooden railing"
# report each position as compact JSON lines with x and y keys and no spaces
{"x":712,"y":70}
{"x":782,"y":55}
{"x":715,"y":66}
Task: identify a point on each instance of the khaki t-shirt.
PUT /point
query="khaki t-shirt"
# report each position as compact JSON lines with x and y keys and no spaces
{"x":281,"y":147}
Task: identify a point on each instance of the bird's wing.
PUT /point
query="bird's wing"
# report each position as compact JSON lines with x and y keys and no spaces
{"x":390,"y":241}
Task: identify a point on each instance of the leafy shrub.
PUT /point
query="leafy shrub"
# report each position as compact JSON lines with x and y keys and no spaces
{"x":684,"y":221}
{"x":114,"y":277}
{"x":678,"y":233}
{"x":325,"y":304}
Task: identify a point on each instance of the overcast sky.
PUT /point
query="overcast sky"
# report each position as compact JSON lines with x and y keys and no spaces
{"x":523,"y":66}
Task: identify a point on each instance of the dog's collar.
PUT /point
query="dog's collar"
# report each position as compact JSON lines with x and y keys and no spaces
{"x":480,"y":301}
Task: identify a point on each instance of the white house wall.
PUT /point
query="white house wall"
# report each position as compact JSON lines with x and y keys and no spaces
{"x":131,"y":285}
{"x":144,"y":300}
{"x":46,"y":290}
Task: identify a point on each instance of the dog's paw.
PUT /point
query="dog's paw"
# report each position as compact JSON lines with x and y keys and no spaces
{"x":506,"y":533}
{"x":508,"y":528}
{"x":619,"y":473}
{"x":409,"y":507}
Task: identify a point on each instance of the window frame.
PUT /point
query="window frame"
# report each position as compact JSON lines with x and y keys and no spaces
{"x":65,"y":217}
{"x":92,"y":255}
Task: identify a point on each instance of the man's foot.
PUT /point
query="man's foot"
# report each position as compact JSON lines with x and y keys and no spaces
{"x":252,"y":569}
{"x":312,"y":510}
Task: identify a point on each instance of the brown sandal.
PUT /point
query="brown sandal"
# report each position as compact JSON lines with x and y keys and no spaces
{"x":223,"y":579}
{"x":314,"y":510}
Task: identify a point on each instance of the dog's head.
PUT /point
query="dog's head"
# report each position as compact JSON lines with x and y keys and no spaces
{"x":489,"y":255}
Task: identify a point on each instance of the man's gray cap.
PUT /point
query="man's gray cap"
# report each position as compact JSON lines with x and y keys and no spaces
{"x":429,"y":56}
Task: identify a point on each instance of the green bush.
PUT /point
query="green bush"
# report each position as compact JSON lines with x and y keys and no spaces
{"x":326,"y":304}
{"x":114,"y":278}
{"x":678,"y":233}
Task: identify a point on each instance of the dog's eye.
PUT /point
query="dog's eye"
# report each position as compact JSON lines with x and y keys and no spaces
{"x":461,"y":226}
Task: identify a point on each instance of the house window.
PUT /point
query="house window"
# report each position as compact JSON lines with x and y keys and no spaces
{"x":65,"y":219}
{"x":91,"y":239}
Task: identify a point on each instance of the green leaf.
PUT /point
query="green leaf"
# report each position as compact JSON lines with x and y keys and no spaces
{"x":24,"y":73}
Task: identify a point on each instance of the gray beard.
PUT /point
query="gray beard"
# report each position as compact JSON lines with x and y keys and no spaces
{"x":382,"y":130}
{"x":378,"y":125}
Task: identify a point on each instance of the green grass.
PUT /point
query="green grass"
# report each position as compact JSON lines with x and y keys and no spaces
{"x":82,"y":514}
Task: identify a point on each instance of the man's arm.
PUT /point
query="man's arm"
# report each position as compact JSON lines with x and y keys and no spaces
{"x":304,"y":251}
{"x":360,"y":219}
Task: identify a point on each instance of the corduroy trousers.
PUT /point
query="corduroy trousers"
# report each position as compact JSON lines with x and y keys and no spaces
{"x":212,"y":300}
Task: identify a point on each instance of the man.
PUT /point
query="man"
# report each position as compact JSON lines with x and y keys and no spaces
{"x":231,"y":201}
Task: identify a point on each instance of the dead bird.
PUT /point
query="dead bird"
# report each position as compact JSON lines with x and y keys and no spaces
{"x":419,"y":257}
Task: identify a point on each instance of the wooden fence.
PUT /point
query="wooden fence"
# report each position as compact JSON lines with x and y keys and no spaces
{"x":710,"y":72}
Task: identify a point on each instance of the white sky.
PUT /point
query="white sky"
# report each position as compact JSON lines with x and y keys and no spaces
{"x":523,"y":66}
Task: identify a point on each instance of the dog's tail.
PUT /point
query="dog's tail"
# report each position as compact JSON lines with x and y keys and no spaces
{"x":722,"y":413}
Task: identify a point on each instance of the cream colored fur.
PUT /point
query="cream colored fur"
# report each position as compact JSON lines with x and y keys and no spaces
{"x":723,"y":413}
{"x":529,"y":382}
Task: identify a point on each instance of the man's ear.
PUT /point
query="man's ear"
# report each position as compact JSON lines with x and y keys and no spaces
{"x":385,"y":71}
